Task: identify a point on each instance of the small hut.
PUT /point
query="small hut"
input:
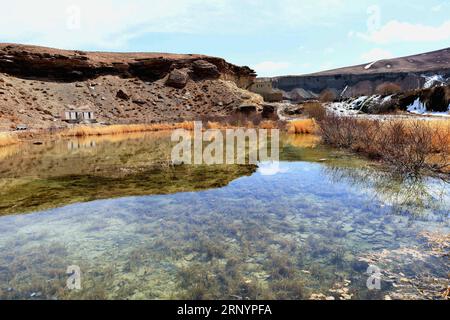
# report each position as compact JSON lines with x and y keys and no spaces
{"x":79,"y":115}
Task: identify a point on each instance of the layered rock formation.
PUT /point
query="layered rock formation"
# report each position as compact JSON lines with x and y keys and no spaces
{"x":410,"y":73}
{"x":37,"y":84}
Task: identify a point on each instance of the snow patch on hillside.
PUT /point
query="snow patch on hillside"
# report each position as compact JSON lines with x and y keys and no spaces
{"x":370,"y":65}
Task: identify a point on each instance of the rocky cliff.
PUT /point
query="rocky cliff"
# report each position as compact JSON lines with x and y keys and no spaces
{"x":413,"y":72}
{"x":37,"y":84}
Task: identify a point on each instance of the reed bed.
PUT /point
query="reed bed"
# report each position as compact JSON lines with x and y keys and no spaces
{"x":7,"y":139}
{"x":265,"y":124}
{"x":84,"y":131}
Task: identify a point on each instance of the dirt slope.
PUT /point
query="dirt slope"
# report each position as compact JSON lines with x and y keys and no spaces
{"x":38,"y":84}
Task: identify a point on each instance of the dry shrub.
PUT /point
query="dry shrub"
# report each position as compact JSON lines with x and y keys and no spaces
{"x":302,"y":126}
{"x":7,"y":139}
{"x":338,"y":131}
{"x":327,"y":96}
{"x":409,"y":146}
{"x":388,"y":88}
{"x":315,"y":110}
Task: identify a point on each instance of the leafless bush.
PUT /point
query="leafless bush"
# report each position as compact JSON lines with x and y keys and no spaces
{"x":409,"y":146}
{"x":315,"y":110}
{"x":406,"y":146}
{"x":338,"y":131}
{"x":327,"y":96}
{"x":388,"y":88}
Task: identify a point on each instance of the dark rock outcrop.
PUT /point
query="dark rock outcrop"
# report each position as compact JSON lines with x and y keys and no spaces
{"x":122,"y":95}
{"x":177,"y":79}
{"x":204,"y":70}
{"x":269,"y":111}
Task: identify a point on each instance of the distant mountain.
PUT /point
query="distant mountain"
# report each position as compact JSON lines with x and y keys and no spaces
{"x":412,"y":72}
{"x":425,"y":62}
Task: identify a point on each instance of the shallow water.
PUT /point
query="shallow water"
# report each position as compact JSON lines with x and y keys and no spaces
{"x":310,"y":227}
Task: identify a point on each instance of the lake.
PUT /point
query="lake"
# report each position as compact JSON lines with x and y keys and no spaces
{"x":324,"y":224}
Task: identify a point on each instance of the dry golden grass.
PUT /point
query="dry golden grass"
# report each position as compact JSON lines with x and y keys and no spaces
{"x":115,"y":138}
{"x":214,"y":125}
{"x":7,"y":139}
{"x":84,"y":131}
{"x":266,"y":124}
{"x":302,"y":126}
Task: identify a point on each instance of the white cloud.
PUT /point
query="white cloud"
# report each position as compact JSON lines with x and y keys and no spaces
{"x":396,"y":31}
{"x":270,"y":68}
{"x":113,"y":23}
{"x":103,"y":23}
{"x":436,"y":8}
{"x":329,"y":50}
{"x":376,"y":54}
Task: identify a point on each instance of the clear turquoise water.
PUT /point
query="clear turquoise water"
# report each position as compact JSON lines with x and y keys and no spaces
{"x":312,"y":228}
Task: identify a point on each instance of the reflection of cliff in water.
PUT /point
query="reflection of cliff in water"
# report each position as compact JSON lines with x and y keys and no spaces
{"x":415,"y":196}
{"x":78,"y":170}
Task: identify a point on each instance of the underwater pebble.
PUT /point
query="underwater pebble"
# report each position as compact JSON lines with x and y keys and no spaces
{"x":306,"y":271}
{"x":367,"y":231}
{"x":189,"y":257}
{"x":348,"y":228}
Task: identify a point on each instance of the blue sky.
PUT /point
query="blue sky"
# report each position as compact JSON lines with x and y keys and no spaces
{"x":273,"y":37}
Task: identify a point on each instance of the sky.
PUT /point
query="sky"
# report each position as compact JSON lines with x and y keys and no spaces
{"x":274,"y":37}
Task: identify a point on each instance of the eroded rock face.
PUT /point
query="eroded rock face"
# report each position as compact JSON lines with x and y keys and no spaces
{"x":70,"y":66}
